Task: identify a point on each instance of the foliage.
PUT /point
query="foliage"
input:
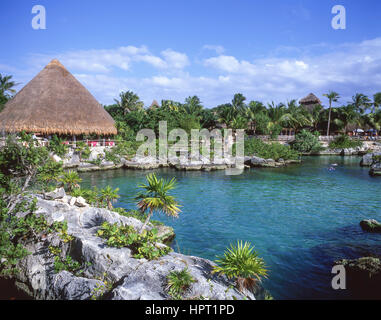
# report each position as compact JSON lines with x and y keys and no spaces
{"x":90,"y":195}
{"x":142,"y":245}
{"x":343,"y":142}
{"x":137,"y":214}
{"x":70,"y":179}
{"x":109,"y":195}
{"x":57,"y":146}
{"x":83,"y":150}
{"x":306,"y":142}
{"x":273,"y":150}
{"x":157,"y":198}
{"x":178,"y":282}
{"x":242,"y":263}
{"x":49,"y":173}
{"x":6,"y":89}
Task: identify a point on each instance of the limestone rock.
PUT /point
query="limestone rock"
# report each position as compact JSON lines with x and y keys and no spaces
{"x":58,"y":193}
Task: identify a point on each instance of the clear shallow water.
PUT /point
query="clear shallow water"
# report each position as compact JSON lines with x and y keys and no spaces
{"x":300,"y":218}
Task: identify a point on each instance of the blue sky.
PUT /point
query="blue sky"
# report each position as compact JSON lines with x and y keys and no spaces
{"x":274,"y":50}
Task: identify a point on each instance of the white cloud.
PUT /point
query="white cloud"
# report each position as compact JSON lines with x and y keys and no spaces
{"x":175,"y":59}
{"x":105,"y":60}
{"x":216,"y":48}
{"x":346,"y":68}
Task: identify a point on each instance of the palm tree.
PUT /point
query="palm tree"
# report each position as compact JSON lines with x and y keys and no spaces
{"x":238,"y":101}
{"x":332,"y":97}
{"x":346,"y":116}
{"x":376,"y":101}
{"x":361,"y":102}
{"x":226,"y":114}
{"x":109,"y":195}
{"x":193,"y":106}
{"x":71,"y":179}
{"x":157,"y":198}
{"x":129,"y":101}
{"x":6,"y":85}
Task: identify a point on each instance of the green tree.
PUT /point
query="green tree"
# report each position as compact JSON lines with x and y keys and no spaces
{"x":361,"y":102}
{"x":129,"y":101}
{"x":306,"y":142}
{"x":156,"y":197}
{"x":193,"y":106}
{"x":6,"y":89}
{"x":109,"y":195}
{"x":376,"y":101}
{"x":332,"y":97}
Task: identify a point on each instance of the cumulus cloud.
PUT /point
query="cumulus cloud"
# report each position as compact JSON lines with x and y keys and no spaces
{"x":346,"y":68}
{"x":107,"y":60}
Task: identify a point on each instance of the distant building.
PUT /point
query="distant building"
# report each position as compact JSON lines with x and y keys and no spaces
{"x":310,"y":102}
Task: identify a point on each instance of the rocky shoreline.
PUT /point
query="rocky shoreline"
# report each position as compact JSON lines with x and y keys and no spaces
{"x":110,"y":273}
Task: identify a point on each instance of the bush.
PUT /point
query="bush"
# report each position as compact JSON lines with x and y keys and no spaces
{"x":273,"y":150}
{"x":306,"y":142}
{"x":142,"y":245}
{"x":344,"y":142}
{"x":57,"y":147}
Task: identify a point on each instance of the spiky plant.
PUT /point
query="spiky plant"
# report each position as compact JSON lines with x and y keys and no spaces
{"x":157,"y":198}
{"x":242,"y":263}
{"x":109,"y":196}
{"x":178,"y":282}
{"x":70,"y":179}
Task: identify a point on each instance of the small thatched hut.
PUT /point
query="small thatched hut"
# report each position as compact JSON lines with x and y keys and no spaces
{"x":54,"y":102}
{"x":309,"y":102}
{"x":154,"y":105}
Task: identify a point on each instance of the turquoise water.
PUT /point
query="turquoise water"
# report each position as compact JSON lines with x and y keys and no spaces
{"x":300,"y":218}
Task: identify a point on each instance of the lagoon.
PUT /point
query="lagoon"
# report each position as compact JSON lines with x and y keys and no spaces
{"x":300,"y":218}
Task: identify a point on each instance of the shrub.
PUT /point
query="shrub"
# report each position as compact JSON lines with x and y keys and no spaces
{"x":344,"y":142}
{"x":273,"y":150}
{"x":142,"y":245}
{"x":306,"y":142}
{"x":178,"y":282}
{"x":57,"y":147}
{"x":242,"y":263}
{"x":83,"y":149}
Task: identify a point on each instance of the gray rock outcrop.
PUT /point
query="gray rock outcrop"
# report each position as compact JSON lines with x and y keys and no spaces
{"x":130,"y":278}
{"x":370,"y":225}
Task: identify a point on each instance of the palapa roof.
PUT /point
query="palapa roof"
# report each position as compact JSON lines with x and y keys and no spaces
{"x":56,"y":102}
{"x":310,"y":99}
{"x":154,"y":104}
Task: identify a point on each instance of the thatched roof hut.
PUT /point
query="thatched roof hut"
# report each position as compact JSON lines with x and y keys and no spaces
{"x":310,"y":101}
{"x":54,"y":102}
{"x":154,"y":105}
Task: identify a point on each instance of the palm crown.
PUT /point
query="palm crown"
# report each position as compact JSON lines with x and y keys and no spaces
{"x":156,"y":197}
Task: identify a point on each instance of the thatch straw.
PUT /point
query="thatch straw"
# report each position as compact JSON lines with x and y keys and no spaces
{"x":55,"y":102}
{"x":310,"y":99}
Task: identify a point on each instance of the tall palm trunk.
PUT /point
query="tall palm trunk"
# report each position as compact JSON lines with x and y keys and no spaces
{"x":329,"y":117}
{"x":146,"y":222}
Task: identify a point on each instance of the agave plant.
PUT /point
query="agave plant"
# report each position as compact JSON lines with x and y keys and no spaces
{"x":157,"y":198}
{"x":178,"y":282}
{"x":109,"y":196}
{"x":70,"y":179}
{"x":242,"y":263}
